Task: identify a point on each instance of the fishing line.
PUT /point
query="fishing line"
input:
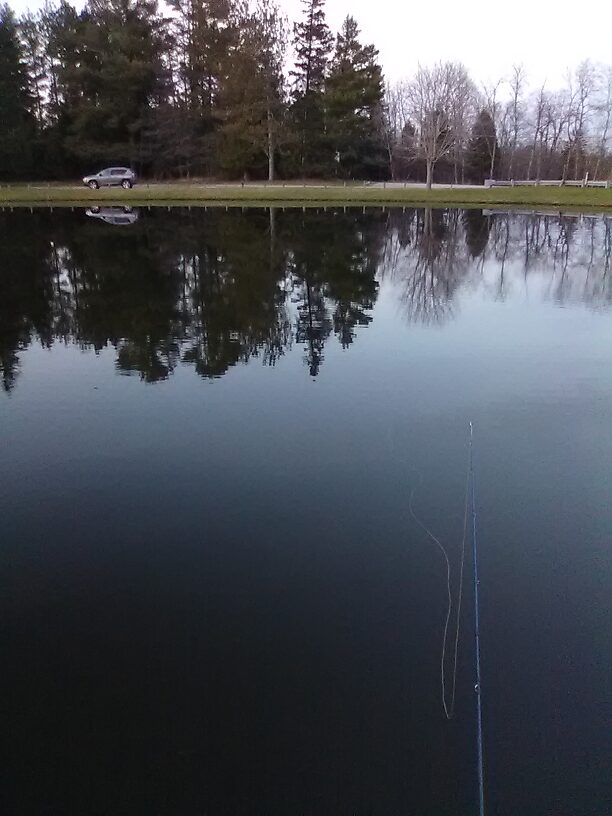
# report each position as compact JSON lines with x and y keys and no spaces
{"x":470,"y":493}
{"x":449,"y":707}
{"x":481,"y":802}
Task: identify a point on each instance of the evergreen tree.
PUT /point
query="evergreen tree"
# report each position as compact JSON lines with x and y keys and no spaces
{"x":354,"y":100}
{"x":312,"y":42}
{"x":17,"y":129}
{"x":206,"y":34}
{"x":251,"y":96}
{"x":118,"y":77}
{"x":483,"y":149}
{"x":60,"y":29}
{"x":33,"y":51}
{"x":272,"y":27}
{"x":63,"y":32}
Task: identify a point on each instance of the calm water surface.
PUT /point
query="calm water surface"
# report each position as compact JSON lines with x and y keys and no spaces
{"x":214,"y":597}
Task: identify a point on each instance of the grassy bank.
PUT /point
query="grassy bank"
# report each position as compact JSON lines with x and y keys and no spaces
{"x":294,"y":194}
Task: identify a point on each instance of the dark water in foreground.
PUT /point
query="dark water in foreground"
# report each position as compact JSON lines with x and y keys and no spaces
{"x":214,"y":598}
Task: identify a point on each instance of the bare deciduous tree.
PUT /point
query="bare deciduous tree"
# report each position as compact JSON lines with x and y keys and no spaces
{"x":436,"y":103}
{"x":604,"y":110}
{"x":515,"y":111}
{"x":581,"y":86}
{"x":492,"y":105}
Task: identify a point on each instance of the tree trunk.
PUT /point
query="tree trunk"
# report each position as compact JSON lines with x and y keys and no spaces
{"x":429,"y":173}
{"x":531,"y":159}
{"x":566,"y":164}
{"x":270,"y":147}
{"x":576,"y":162}
{"x":511,"y":167}
{"x":391,"y":163}
{"x":596,"y":171}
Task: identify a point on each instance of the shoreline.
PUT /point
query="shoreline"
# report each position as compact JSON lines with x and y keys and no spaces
{"x":306,"y":195}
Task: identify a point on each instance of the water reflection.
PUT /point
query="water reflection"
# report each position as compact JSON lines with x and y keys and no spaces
{"x":428,"y":256}
{"x":215,"y":598}
{"x":572,"y":254}
{"x":211,"y":289}
{"x":117,"y":216}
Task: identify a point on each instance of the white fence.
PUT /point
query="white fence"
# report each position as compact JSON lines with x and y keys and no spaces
{"x":555,"y":183}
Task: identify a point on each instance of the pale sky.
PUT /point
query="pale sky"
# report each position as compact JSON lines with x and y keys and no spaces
{"x":487,"y":36}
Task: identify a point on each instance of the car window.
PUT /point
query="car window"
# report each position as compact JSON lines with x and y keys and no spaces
{"x":117,"y":171}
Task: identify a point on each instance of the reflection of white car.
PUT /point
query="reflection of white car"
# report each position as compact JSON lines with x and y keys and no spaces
{"x":113,"y":215}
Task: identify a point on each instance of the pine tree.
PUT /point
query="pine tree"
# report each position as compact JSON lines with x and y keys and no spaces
{"x":32,"y":39}
{"x":16,"y":121}
{"x":312,"y":42}
{"x":63,"y":31}
{"x":118,"y":77}
{"x":483,"y":150}
{"x":272,"y":27}
{"x":206,"y":35}
{"x":354,"y":99}
{"x":252,"y":95}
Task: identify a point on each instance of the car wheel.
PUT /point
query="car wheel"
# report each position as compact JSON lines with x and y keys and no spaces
{"x":126,"y":184}
{"x":93,"y":185}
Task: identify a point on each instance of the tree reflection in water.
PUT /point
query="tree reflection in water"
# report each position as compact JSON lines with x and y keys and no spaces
{"x":428,"y":259}
{"x":214,"y":288}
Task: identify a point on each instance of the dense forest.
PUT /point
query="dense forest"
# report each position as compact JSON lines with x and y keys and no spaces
{"x":229,"y":89}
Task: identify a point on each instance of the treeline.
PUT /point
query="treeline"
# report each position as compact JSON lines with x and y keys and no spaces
{"x":440,"y":120}
{"x":229,"y":89}
{"x":200,"y":89}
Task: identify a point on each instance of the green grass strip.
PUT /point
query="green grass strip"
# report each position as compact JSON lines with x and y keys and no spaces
{"x":294,"y":194}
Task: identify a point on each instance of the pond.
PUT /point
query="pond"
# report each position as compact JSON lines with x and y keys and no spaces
{"x":223,"y":433}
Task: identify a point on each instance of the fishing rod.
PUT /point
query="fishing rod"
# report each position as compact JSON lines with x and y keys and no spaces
{"x":470,"y":493}
{"x":477,"y":687}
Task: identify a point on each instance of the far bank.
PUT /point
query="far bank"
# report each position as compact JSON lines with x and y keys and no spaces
{"x":308,"y":194}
